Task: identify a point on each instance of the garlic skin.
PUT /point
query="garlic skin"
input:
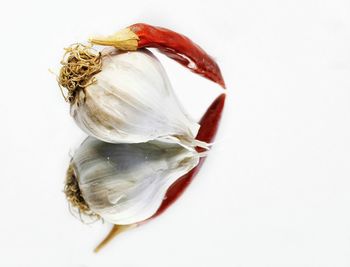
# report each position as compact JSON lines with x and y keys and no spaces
{"x":126,"y":183}
{"x":132,"y":101}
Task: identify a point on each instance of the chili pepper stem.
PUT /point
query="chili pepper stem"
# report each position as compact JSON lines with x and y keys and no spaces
{"x":116,"y":230}
{"x":123,"y":40}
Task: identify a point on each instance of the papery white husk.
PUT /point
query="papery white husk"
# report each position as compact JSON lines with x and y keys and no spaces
{"x":132,"y":101}
{"x":126,"y":183}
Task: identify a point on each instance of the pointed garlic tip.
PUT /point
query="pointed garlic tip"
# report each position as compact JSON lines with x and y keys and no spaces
{"x":125,"y":39}
{"x":116,"y":230}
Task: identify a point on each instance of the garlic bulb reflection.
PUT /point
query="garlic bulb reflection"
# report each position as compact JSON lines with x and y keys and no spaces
{"x":126,"y":183}
{"x":125,"y":97}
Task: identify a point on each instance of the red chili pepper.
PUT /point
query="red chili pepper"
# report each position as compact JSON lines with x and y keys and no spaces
{"x":174,"y":45}
{"x":209,"y":126}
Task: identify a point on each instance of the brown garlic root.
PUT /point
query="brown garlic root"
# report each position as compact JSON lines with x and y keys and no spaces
{"x":74,"y":196}
{"x":79,"y":64}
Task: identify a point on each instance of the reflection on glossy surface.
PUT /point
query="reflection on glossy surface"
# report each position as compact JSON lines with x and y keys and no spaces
{"x":126,"y":183}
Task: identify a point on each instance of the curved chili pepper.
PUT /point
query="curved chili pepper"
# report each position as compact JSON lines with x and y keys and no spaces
{"x":174,"y":45}
{"x":209,"y":126}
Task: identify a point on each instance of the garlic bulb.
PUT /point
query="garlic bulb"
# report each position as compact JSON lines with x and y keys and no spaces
{"x":128,"y":99}
{"x":126,"y":183}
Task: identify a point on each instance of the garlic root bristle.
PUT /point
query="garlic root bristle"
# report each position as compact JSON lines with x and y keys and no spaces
{"x":79,"y":64}
{"x":74,"y":196}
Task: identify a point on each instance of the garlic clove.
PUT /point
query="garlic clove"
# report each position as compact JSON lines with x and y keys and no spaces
{"x":126,"y":183}
{"x":129,"y":100}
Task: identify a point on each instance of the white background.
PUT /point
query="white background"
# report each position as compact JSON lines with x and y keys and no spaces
{"x":275,"y":190}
